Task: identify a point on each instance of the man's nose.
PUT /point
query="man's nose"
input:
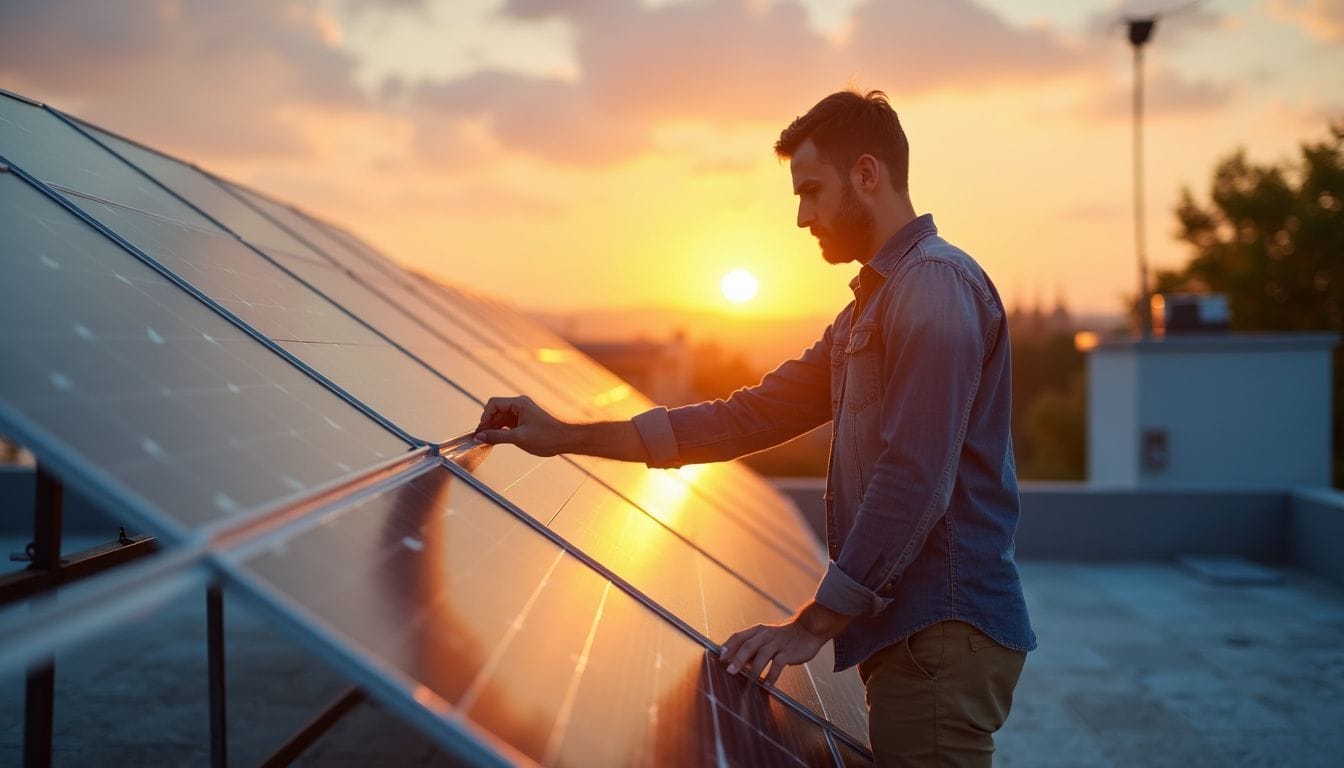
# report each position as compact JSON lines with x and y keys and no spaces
{"x":805,"y":216}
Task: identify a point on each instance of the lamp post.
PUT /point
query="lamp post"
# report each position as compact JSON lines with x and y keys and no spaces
{"x":1140,"y":32}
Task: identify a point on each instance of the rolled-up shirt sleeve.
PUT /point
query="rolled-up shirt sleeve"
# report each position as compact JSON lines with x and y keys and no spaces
{"x":843,"y":594}
{"x":937,"y":329}
{"x":790,"y":400}
{"x":660,"y":442}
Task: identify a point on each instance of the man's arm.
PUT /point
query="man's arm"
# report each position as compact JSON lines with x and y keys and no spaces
{"x":520,"y":421}
{"x":790,"y":400}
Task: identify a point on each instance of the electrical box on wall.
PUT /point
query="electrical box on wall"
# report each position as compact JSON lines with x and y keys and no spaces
{"x":1154,"y":456}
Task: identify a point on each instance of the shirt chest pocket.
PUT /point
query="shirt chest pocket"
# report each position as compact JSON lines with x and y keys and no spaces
{"x":863,"y":375}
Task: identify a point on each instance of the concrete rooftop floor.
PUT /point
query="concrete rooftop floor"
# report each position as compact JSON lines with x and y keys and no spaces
{"x":1140,"y":664}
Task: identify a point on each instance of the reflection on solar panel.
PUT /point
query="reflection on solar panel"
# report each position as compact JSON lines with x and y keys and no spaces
{"x":261,"y":386}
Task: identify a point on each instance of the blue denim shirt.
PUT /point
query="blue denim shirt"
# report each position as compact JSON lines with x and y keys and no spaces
{"x":921,"y":488}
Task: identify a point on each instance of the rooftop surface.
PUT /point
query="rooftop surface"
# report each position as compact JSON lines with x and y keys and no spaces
{"x":1139,"y":664}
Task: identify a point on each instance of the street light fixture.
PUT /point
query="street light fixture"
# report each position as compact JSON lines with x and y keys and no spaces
{"x":1140,"y":32}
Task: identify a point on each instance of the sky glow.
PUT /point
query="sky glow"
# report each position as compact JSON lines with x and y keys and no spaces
{"x":619,"y":153}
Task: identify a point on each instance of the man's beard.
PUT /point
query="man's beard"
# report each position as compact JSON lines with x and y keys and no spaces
{"x":851,"y":235}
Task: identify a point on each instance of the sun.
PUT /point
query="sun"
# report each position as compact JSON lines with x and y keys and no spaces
{"x":738,"y":286}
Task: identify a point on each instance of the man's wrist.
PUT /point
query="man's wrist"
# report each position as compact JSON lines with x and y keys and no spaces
{"x":821,"y":622}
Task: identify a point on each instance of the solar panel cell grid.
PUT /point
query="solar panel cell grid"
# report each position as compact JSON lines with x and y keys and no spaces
{"x":321,"y":334}
{"x":437,"y":583}
{"x":367,"y":261}
{"x":206,"y":194}
{"x":44,"y":145}
{"x":144,"y":381}
{"x":393,"y":323}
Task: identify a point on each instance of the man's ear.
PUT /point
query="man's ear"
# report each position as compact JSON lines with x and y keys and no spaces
{"x":866,"y":173}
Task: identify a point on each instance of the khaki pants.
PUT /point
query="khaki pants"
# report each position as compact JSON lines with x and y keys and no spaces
{"x":937,"y":698}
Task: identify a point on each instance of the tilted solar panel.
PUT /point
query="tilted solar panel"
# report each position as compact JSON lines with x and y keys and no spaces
{"x":483,"y":620}
{"x":300,"y":320}
{"x":120,"y":371}
{"x":217,"y":362}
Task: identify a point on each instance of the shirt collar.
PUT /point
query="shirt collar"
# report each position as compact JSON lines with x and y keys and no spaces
{"x":891,"y":252}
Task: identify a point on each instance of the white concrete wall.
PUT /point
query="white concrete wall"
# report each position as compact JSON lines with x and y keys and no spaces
{"x":1238,"y":411}
{"x":1112,"y":419}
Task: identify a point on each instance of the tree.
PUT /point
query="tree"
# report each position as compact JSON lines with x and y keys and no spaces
{"x":1272,"y":239}
{"x":1056,"y":427}
{"x":1048,"y":443}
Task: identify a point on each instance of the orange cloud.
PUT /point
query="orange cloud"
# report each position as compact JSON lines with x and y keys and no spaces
{"x":1322,"y":19}
{"x":1166,"y":94}
{"x":224,"y":79}
{"x":730,"y":60}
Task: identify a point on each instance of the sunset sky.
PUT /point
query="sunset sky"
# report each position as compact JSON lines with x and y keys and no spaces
{"x":579,"y":154}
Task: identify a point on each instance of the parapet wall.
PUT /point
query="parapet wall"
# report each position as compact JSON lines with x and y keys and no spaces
{"x":1078,"y":521}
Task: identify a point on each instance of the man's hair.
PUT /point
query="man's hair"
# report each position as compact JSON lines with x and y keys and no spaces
{"x":848,"y":124}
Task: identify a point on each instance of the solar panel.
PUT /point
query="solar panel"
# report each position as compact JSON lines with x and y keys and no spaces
{"x":203,"y":192}
{"x":47,"y":147}
{"x":487,"y":623}
{"x":107,"y":359}
{"x":202,"y":355}
{"x":300,"y":320}
{"x":705,"y":594}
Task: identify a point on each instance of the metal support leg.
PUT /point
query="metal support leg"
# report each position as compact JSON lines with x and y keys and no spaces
{"x":39,"y":712}
{"x":214,"y":619}
{"x":291,"y":750}
{"x":40,"y":691}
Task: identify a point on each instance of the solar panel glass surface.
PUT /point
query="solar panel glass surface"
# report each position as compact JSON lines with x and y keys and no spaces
{"x":303,"y":322}
{"x":110,"y":360}
{"x":483,"y":620}
{"x":44,"y":145}
{"x":206,"y":194}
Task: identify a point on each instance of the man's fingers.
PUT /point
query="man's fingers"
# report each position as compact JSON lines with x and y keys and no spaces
{"x":497,"y":436}
{"x":776,"y":669}
{"x":502,"y":412}
{"x":732,"y":644}
{"x":743,"y":659}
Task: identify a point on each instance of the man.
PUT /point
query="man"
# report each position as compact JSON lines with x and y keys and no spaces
{"x":921,"y":497}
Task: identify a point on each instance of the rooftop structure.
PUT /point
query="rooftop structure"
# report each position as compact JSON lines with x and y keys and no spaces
{"x":1210,"y":409}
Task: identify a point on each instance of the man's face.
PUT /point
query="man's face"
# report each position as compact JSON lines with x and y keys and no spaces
{"x":829,"y":207}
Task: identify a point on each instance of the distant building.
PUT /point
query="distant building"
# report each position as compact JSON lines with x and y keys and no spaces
{"x":662,"y":370}
{"x":1038,"y":322}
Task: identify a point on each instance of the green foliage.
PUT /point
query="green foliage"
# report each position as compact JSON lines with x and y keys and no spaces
{"x":1048,"y":411}
{"x":1056,"y":425}
{"x":1272,"y":238}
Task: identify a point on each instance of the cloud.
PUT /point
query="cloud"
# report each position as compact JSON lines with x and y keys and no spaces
{"x":1322,"y":19}
{"x":232,"y":79}
{"x":723,"y":61}
{"x":261,"y":78}
{"x":914,"y":46}
{"x":1166,"y":94}
{"x":391,"y":6}
{"x":545,"y":118}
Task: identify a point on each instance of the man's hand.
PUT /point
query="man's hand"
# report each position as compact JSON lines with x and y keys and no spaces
{"x":796,"y":641}
{"x":521,"y":422}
